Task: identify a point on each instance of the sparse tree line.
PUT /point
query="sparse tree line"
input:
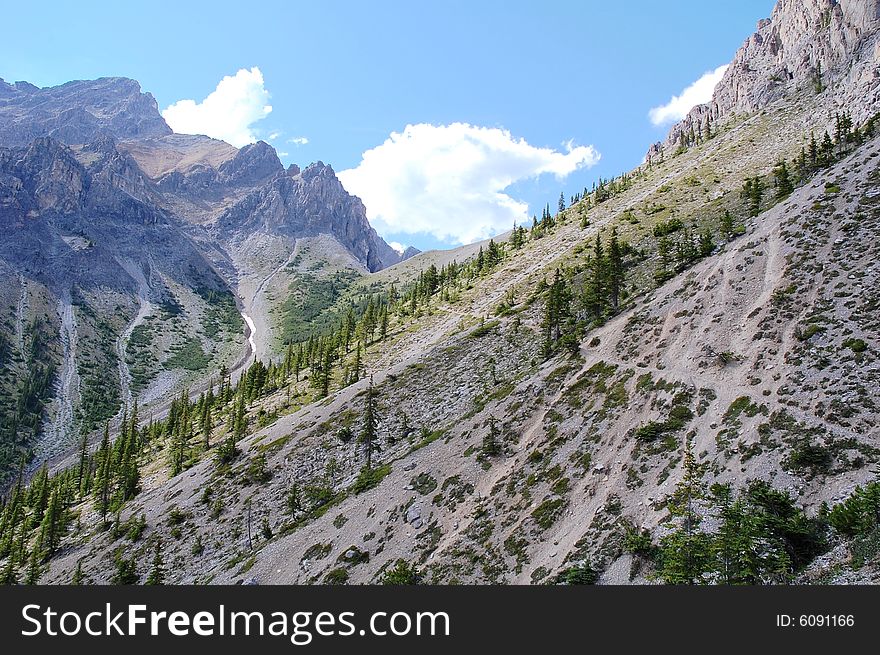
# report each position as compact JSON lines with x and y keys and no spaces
{"x":760,"y":536}
{"x":680,"y":246}
{"x":21,"y":410}
{"x":584,"y":296}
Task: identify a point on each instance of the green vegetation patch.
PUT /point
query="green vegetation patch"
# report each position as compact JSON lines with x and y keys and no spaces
{"x":189,"y":356}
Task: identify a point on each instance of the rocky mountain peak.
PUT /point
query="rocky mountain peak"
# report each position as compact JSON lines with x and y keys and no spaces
{"x":78,"y":112}
{"x":319,"y":169}
{"x":811,"y":46}
{"x":252,"y":164}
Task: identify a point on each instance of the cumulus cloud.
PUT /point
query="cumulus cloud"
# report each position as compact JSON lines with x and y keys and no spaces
{"x":298,"y":140}
{"x":228,"y":113}
{"x":399,"y":247}
{"x":450,"y":180}
{"x":695,"y":94}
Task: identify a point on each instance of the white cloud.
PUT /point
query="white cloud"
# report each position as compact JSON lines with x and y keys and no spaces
{"x":274,"y":135}
{"x":399,"y":247}
{"x":228,"y":113}
{"x":696,"y":94}
{"x":298,"y":140}
{"x":449,"y":180}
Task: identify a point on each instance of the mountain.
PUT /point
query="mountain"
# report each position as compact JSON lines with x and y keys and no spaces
{"x":671,"y":380}
{"x":802,"y":46}
{"x":104,"y":209}
{"x":78,"y":112}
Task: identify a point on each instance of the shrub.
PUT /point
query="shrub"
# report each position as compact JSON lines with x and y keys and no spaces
{"x":650,"y":431}
{"x":638,"y":542}
{"x":177,"y":516}
{"x":227,"y":451}
{"x":370,"y":477}
{"x":318,"y":495}
{"x":126,"y":570}
{"x":403,"y":573}
{"x":337,"y":576}
{"x":858,"y":514}
{"x":665,"y":228}
{"x":547,"y":512}
{"x":856,"y":345}
{"x":424,"y":483}
{"x":806,"y":455}
{"x":136,"y":527}
{"x":580,"y":574}
{"x":257,"y":471}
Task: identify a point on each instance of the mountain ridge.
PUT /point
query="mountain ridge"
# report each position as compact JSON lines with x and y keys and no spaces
{"x":802,"y":45}
{"x":102,"y":200}
{"x":687,"y":353}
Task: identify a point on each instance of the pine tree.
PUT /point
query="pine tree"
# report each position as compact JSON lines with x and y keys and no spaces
{"x":727,"y":226}
{"x":157,"y":572}
{"x":801,"y":166}
{"x":104,"y":476}
{"x":294,"y":501}
{"x":77,"y":579}
{"x":557,"y":311}
{"x":383,"y":323}
{"x":813,"y":152}
{"x":664,"y":255}
{"x":707,"y":244}
{"x":782,"y":180}
{"x":561,"y":202}
{"x":685,"y":553}
{"x":596,"y":287}
{"x":826,"y":150}
{"x":52,"y":524}
{"x":207,"y":426}
{"x":491,"y":445}
{"x":83,"y":461}
{"x":753,"y":190}
{"x":34,"y":569}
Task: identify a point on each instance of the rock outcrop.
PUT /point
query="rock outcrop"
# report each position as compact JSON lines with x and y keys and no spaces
{"x":303,"y":203}
{"x":830,"y":47}
{"x":113,"y":121}
{"x":78,"y":112}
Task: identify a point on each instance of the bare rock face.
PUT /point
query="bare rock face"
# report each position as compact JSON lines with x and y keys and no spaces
{"x":78,"y":112}
{"x":252,"y":165}
{"x":50,"y":193}
{"x":137,"y":165}
{"x":827,"y":46}
{"x":303,"y":203}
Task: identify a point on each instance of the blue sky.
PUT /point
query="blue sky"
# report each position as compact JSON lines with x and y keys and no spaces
{"x":496,"y":92}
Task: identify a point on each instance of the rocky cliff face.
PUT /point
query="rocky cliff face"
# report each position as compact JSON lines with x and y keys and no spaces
{"x":137,"y":239}
{"x":52,"y":196}
{"x":77,"y":112}
{"x":93,"y":115}
{"x":298,"y":203}
{"x":829,"y":47}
